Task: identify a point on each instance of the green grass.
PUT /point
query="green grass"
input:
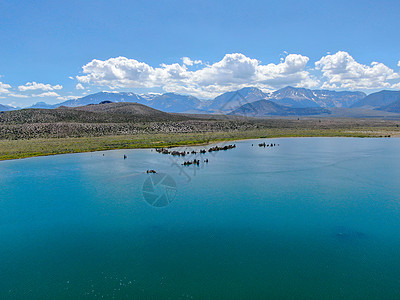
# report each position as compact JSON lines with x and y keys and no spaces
{"x":15,"y":149}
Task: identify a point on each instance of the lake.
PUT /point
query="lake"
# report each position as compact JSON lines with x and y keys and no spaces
{"x":310,"y":218}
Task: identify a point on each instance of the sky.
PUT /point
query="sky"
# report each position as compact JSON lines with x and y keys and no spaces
{"x":52,"y":51}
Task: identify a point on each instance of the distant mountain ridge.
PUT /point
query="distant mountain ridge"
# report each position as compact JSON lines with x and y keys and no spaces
{"x":6,"y":107}
{"x":301,"y":97}
{"x":288,"y":96}
{"x":168,"y":102}
{"x":263,"y":108}
{"x":43,"y":105}
{"x":103,"y":96}
{"x":230,"y":101}
{"x":392,"y":107}
{"x":172,"y":102}
{"x":378,"y":99}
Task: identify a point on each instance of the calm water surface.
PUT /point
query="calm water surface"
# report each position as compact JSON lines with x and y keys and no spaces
{"x":312,"y":218}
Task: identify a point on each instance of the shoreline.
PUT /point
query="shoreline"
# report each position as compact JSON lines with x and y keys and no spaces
{"x":22,"y":149}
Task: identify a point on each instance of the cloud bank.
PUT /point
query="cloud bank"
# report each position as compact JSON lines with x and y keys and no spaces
{"x":234,"y":71}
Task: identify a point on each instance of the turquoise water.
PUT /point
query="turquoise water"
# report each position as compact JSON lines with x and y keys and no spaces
{"x":312,"y":218}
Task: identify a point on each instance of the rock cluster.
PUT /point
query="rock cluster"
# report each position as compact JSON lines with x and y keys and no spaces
{"x":203,"y":151}
{"x":267,"y":145}
{"x":216,"y":148}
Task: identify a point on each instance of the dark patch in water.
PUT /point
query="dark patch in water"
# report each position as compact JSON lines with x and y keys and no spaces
{"x":348,"y":234}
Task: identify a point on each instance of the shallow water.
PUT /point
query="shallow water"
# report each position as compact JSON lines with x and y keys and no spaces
{"x":310,"y":218}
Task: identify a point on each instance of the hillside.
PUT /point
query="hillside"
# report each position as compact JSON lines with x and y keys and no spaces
{"x":345,"y":99}
{"x":264,"y":108}
{"x":294,"y":97}
{"x":95,"y":113}
{"x":344,"y":112}
{"x":172,"y":102}
{"x":393,"y":107}
{"x":229,"y":101}
{"x":377,"y":100}
{"x":126,"y":108}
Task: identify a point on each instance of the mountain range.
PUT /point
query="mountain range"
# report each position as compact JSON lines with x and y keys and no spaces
{"x":393,"y":107}
{"x":6,"y":107}
{"x":226,"y":102}
{"x":378,"y":100}
{"x":301,"y":97}
{"x":231,"y":101}
{"x":263,"y":108}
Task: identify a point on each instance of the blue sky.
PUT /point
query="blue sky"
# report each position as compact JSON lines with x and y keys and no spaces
{"x":140,"y":45}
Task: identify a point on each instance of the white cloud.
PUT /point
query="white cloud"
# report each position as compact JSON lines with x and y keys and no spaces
{"x":4,"y":88}
{"x":342,"y":71}
{"x":398,"y":63}
{"x":17,"y":95}
{"x":396,"y":86}
{"x":189,"y":62}
{"x":117,"y":72}
{"x":233,"y":71}
{"x":12,"y":104}
{"x":79,"y":86}
{"x":46,"y":94}
{"x":67,"y":97}
{"x":30,"y":86}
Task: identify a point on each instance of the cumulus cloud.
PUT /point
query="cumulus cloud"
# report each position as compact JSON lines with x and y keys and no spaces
{"x":118,"y":72}
{"x":31,"y":86}
{"x":46,"y":94}
{"x":233,"y":71}
{"x":189,"y":62}
{"x":4,"y":88}
{"x":342,"y":71}
{"x":79,"y":86}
